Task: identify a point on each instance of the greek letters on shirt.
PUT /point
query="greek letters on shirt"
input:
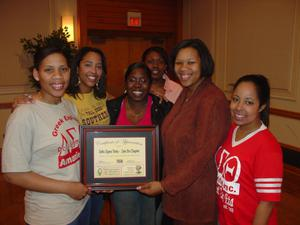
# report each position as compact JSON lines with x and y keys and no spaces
{"x":68,"y":151}
{"x":229,"y":169}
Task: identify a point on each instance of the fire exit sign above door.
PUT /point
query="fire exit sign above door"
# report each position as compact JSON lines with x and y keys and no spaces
{"x":134,"y":19}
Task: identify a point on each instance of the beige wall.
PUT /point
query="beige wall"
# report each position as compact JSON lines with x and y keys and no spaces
{"x":18,"y":19}
{"x":23,"y":19}
{"x":254,"y":36}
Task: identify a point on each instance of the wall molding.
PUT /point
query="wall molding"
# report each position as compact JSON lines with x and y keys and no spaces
{"x":6,"y":105}
{"x":15,"y":89}
{"x":291,"y":156}
{"x":226,"y":30}
{"x":284,"y":113}
{"x":290,"y":147}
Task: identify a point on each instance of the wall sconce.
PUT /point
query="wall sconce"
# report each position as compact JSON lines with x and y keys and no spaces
{"x":68,"y":21}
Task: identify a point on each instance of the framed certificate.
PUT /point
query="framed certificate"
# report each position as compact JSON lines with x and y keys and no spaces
{"x":118,"y":157}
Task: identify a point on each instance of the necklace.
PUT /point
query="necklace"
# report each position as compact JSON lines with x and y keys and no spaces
{"x":240,"y":134}
{"x":135,"y":113}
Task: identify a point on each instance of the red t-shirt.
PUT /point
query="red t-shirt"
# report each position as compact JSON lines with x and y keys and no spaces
{"x":249,"y":171}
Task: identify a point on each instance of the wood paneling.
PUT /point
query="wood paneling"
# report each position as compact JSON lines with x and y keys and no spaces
{"x":111,"y":15}
{"x":11,"y":202}
{"x":289,"y":207}
{"x":123,"y":51}
{"x":158,"y":16}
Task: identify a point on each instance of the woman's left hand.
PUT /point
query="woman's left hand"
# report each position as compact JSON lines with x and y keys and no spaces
{"x":152,"y":188}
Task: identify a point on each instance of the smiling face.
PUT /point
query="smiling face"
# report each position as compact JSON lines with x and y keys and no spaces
{"x":53,"y":75}
{"x":245,"y":106}
{"x":156,"y":64}
{"x":137,"y":85}
{"x":188,"y":67}
{"x":90,"y":71}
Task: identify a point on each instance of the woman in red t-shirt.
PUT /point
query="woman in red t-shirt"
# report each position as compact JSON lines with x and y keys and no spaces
{"x":249,"y":162}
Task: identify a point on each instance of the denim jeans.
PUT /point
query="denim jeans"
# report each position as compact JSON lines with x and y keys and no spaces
{"x":97,"y":203}
{"x":159,"y":215}
{"x":84,"y":216}
{"x":133,"y":208}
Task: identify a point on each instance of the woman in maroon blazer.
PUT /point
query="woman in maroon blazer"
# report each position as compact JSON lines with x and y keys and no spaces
{"x":191,"y":133}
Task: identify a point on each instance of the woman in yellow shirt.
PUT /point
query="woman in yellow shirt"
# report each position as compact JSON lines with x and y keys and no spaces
{"x":87,"y":89}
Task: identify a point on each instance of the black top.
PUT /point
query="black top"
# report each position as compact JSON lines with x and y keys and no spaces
{"x":159,"y":109}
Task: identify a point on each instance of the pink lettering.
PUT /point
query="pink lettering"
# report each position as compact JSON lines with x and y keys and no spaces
{"x":68,"y":117}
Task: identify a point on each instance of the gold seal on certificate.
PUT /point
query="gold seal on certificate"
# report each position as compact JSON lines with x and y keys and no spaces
{"x":118,"y":157}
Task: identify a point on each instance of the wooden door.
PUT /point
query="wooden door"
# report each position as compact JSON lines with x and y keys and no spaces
{"x":120,"y":52}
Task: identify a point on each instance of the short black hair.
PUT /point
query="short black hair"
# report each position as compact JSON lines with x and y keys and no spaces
{"x":138,"y":65}
{"x":40,"y":55}
{"x":162,"y":52}
{"x":100,"y":89}
{"x":262,"y":86}
{"x":207,"y":62}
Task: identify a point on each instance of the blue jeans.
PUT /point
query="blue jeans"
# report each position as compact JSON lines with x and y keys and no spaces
{"x":84,"y":216}
{"x":159,"y":215}
{"x":133,"y":208}
{"x":97,"y":206}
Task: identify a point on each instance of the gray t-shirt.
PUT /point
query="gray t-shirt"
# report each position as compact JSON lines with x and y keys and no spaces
{"x":43,"y":138}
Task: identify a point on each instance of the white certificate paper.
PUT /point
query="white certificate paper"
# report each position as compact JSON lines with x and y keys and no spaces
{"x":117,"y":157}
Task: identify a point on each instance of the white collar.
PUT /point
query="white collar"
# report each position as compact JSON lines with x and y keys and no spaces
{"x":248,"y":136}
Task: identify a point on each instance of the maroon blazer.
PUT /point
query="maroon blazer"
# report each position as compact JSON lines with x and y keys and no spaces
{"x":191,"y":134}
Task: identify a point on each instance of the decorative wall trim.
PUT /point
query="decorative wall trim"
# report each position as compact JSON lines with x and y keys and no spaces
{"x":284,"y":113}
{"x":224,"y":31}
{"x":290,"y":147}
{"x":290,"y":156}
{"x":5,"y":105}
{"x":15,"y":89}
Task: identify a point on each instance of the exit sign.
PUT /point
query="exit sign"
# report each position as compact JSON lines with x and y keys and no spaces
{"x":134,"y":19}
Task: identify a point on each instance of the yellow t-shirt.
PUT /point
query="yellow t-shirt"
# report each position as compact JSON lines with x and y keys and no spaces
{"x":91,"y":111}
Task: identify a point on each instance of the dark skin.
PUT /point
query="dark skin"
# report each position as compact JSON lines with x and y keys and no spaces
{"x":137,"y":86}
{"x":158,"y":66}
